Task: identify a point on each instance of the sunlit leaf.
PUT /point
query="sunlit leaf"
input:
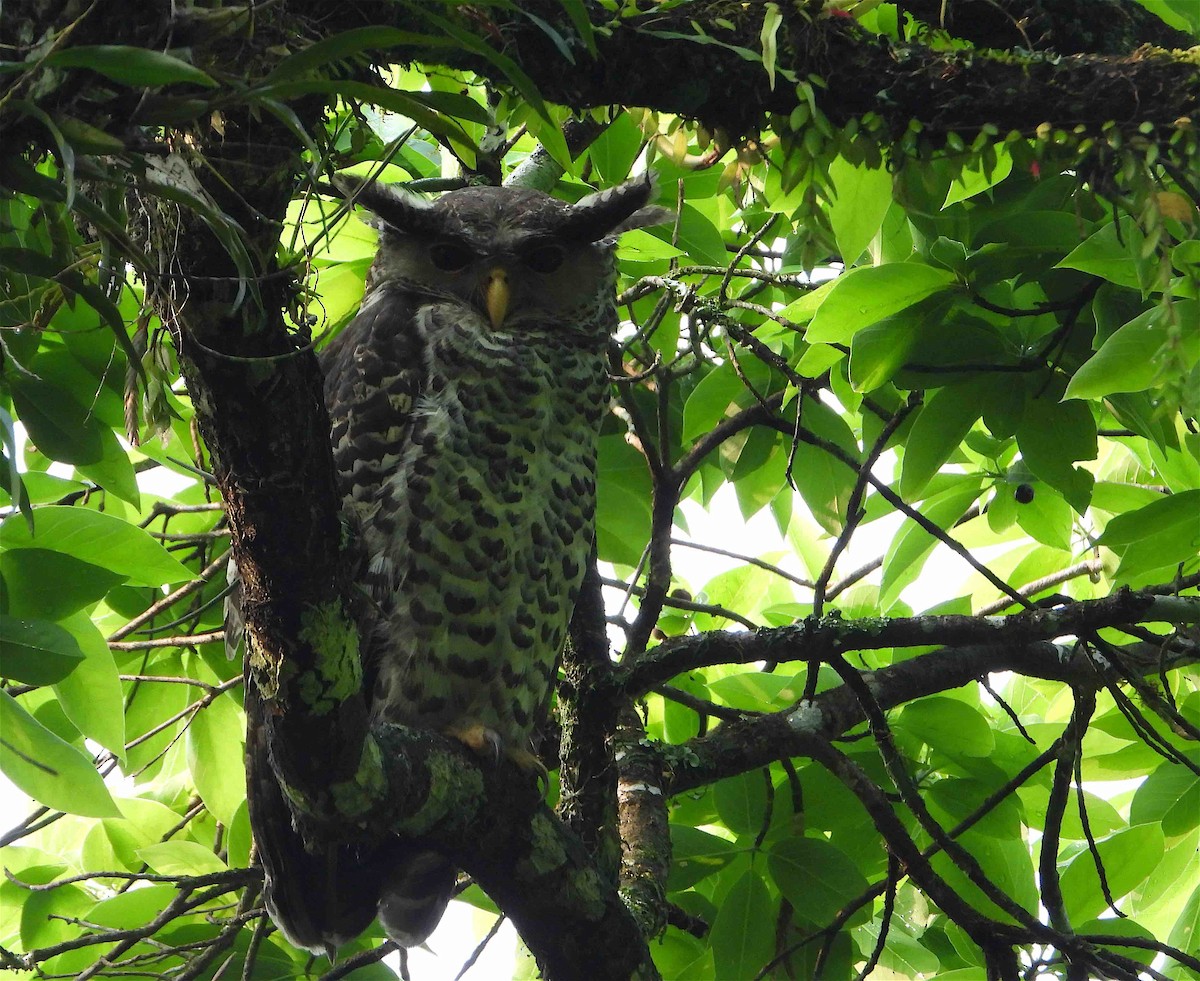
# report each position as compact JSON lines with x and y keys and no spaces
{"x":49,"y":770}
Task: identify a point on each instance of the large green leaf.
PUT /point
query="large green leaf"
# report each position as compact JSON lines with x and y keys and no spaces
{"x":1130,"y":360}
{"x":1128,"y":857}
{"x":742,"y":802}
{"x":696,"y":855}
{"x":1171,"y":513}
{"x":902,"y":563}
{"x":214,"y":751}
{"x":41,"y":584}
{"x":1053,"y":435}
{"x":142,"y":67}
{"x":943,"y":423}
{"x":1170,"y":796}
{"x":63,"y":430}
{"x":100,"y":539}
{"x":36,"y":652}
{"x":742,"y":934}
{"x":181,"y":858}
{"x":824,"y":481}
{"x":48,"y":769}
{"x":1110,"y":254}
{"x":862,"y":197}
{"x":817,"y":878}
{"x":948,"y":725}
{"x":867,"y":295}
{"x":91,"y":695}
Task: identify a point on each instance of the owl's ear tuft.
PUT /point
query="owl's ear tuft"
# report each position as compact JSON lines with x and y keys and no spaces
{"x":394,"y":205}
{"x":606,"y":214}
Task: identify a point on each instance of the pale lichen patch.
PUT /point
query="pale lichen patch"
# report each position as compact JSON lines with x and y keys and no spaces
{"x":337,"y":672}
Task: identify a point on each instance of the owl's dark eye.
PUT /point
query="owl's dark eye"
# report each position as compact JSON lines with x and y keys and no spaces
{"x":451,"y":256}
{"x":544,"y":258}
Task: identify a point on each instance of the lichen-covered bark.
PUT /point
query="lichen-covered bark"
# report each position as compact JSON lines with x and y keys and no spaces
{"x":490,"y":819}
{"x":1105,"y":27}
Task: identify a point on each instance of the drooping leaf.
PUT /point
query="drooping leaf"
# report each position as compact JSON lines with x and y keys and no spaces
{"x":91,"y":694}
{"x":143,"y":67}
{"x":817,"y":878}
{"x":100,"y":539}
{"x":1128,"y":857}
{"x":49,"y":770}
{"x":36,"y":652}
{"x":867,"y":295}
{"x":214,"y":750}
{"x":741,"y":935}
{"x":863,"y":196}
{"x":942,"y":424}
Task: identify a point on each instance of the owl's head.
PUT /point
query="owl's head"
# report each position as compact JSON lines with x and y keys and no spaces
{"x":518,"y":257}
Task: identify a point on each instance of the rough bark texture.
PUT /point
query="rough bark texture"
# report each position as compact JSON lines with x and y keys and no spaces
{"x":1104,"y":27}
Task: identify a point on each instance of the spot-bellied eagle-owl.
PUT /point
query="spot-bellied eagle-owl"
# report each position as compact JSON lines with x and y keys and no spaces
{"x":465,"y":401}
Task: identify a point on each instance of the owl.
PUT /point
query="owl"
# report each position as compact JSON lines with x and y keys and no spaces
{"x":465,"y":401}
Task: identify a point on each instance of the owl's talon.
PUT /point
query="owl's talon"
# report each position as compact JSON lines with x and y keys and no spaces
{"x":478,"y":738}
{"x":529,"y":762}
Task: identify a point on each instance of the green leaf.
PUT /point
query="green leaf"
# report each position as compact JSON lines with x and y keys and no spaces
{"x":742,"y":934}
{"x":711,"y":401}
{"x":181,"y":858}
{"x":902,"y":564}
{"x":742,"y":802}
{"x":49,"y":770}
{"x":99,"y":539}
{"x":943,"y":423}
{"x":214,"y":752}
{"x":1052,"y":435}
{"x":816,"y":877}
{"x":1109,"y":253}
{"x":1130,"y":359}
{"x":862,"y":196}
{"x":1128,"y":857}
{"x":63,"y":430}
{"x":45,"y":585}
{"x":1170,"y":796}
{"x":579,"y":17}
{"x":948,"y":725}
{"x":1186,"y":931}
{"x":1171,"y":513}
{"x":616,"y":149}
{"x":977,"y":178}
{"x":91,"y":695}
{"x":695,"y":855}
{"x":824,"y":481}
{"x":36,"y":652}
{"x":698,"y":237}
{"x":869,"y":294}
{"x":133,"y":908}
{"x":1048,"y":518}
{"x":142,"y":67}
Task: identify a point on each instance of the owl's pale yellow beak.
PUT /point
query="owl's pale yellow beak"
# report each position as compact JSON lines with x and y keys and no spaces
{"x":496,"y":296}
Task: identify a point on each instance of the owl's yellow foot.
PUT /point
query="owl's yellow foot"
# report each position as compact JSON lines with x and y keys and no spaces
{"x":477,"y":737}
{"x":488,"y":743}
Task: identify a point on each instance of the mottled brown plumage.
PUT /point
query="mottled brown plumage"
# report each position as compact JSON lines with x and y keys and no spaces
{"x":465,"y":402}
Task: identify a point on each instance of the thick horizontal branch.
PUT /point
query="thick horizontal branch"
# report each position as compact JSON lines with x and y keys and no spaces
{"x":694,"y":60}
{"x":490,"y":820}
{"x":737,"y":747}
{"x":1109,"y":27}
{"x":815,"y":639}
{"x":691,"y":61}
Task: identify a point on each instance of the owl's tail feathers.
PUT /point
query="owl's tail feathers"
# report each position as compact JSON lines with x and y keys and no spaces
{"x":416,"y":887}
